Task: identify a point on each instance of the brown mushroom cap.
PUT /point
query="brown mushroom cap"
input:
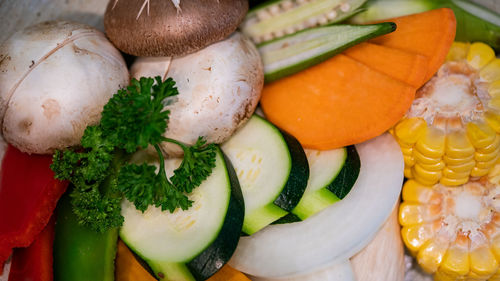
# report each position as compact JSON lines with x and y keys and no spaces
{"x":158,"y":28}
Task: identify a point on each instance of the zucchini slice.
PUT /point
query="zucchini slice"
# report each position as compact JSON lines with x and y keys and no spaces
{"x":274,"y":19}
{"x":332,"y":175}
{"x":293,"y":53}
{"x":272,"y":169}
{"x":195,"y":243}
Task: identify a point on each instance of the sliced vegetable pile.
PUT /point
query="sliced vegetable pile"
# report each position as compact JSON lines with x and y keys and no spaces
{"x":451,"y":132}
{"x":310,"y":104}
{"x":308,"y":185}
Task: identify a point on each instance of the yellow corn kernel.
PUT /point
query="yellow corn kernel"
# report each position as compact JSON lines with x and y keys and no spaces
{"x":451,"y":174}
{"x":494,"y":88}
{"x":409,"y":130}
{"x":480,"y":55}
{"x":414,"y":236}
{"x":424,"y":181}
{"x":493,"y":120}
{"x":477,"y":172}
{"x":495,"y":277}
{"x":421,"y":158}
{"x":409,"y":160}
{"x":491,"y":72}
{"x":494,"y":175}
{"x":431,"y":143}
{"x":458,"y":51}
{"x":480,"y":134}
{"x":485,"y":157}
{"x":408,"y":173}
{"x":428,"y":176}
{"x":433,"y":167}
{"x":455,"y":261}
{"x":403,"y":144}
{"x":494,"y":103}
{"x":487,"y":164}
{"x":458,"y":145}
{"x":410,"y":214}
{"x":442,"y":276}
{"x":407,"y":151}
{"x":453,"y":182}
{"x":492,"y":147}
{"x":483,"y":262}
{"x":495,"y":246}
{"x":431,"y":255}
{"x":458,"y":161}
{"x":418,"y":193}
{"x":465,"y":167}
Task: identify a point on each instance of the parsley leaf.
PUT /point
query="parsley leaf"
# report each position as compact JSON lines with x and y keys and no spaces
{"x":196,"y":166}
{"x":133,"y":119}
{"x":136,"y":117}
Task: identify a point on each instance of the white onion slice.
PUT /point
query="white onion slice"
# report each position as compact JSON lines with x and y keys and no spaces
{"x":383,"y":258}
{"x":335,"y":234}
{"x":337,"y":272}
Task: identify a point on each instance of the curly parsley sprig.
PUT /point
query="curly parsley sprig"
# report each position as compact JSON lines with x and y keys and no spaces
{"x":133,"y":119}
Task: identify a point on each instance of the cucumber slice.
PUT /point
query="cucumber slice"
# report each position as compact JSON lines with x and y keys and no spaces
{"x":332,"y":175}
{"x":274,"y":19}
{"x":291,"y":54}
{"x":191,"y":244}
{"x":272,"y":169}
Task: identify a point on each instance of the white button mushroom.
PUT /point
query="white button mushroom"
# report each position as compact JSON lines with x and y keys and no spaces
{"x":55,"y":78}
{"x":219,"y":88}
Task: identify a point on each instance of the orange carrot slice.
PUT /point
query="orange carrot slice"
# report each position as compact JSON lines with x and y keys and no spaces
{"x":228,"y":273}
{"x":127,"y":266}
{"x":336,"y":103}
{"x":406,"y":67}
{"x":430,"y":34}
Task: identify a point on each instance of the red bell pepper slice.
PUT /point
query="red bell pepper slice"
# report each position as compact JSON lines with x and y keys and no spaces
{"x":28,"y":196}
{"x":35,"y":262}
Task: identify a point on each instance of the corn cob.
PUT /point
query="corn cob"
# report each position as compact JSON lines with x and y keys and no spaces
{"x":451,"y":132}
{"x":454,"y":232}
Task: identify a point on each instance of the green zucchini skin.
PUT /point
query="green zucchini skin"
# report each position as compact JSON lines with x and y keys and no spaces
{"x":348,"y":175}
{"x":299,"y":174}
{"x":273,"y":75}
{"x":289,"y":218}
{"x":217,"y":254}
{"x":81,"y":254}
